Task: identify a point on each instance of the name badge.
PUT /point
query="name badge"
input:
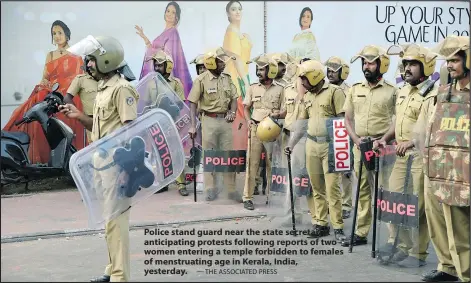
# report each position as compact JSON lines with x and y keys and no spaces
{"x":212,"y":90}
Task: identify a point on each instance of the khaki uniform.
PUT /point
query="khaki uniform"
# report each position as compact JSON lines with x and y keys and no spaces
{"x":264,"y":101}
{"x":294,"y":105}
{"x":214,"y":95}
{"x":373,"y":109}
{"x":408,"y":105}
{"x":116,"y":103}
{"x":448,"y":226}
{"x":85,"y":86}
{"x":318,"y":108}
{"x":346,"y":178}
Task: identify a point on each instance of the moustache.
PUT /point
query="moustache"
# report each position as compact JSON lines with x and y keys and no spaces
{"x":408,"y":73}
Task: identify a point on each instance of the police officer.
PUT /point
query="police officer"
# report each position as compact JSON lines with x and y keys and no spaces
{"x":337,"y":72}
{"x":85,"y":86}
{"x":293,"y":104}
{"x":198,"y":61}
{"x":369,"y":108}
{"x":322,"y":101}
{"x":163,"y":64}
{"x":217,"y":97}
{"x":449,"y":229}
{"x":115,"y":106}
{"x":419,"y":63}
{"x":263,"y":99}
{"x":282,"y":60}
{"x":200,"y":68}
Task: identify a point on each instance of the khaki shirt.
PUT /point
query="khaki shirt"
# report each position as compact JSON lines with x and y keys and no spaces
{"x":282,"y":82}
{"x":293,"y":106}
{"x":322,"y":106}
{"x":345,"y":87}
{"x":264,"y":100}
{"x":176,"y":86}
{"x":116,"y":103}
{"x":408,"y":106}
{"x":213,"y":93}
{"x":152,"y":92}
{"x":372,"y":107}
{"x":85,"y":86}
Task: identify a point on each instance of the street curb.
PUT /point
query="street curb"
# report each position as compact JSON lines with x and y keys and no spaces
{"x":82,"y":232}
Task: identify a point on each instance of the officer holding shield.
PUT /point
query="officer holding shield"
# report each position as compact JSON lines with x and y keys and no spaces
{"x":321,"y":102}
{"x":418,"y":63}
{"x":163,"y":64}
{"x":337,"y":72}
{"x":263,"y":99}
{"x":115,"y":106}
{"x":443,"y":136}
{"x":293,"y":104}
{"x":217,"y":98}
{"x":369,"y":109}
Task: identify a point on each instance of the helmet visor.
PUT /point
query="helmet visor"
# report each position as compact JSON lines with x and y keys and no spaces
{"x":86,"y":47}
{"x":449,"y":47}
{"x":333,"y":66}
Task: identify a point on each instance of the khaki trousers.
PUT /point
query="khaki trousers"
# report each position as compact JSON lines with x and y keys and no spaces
{"x":116,"y":210}
{"x":253,"y":164}
{"x":298,"y":157}
{"x":217,"y":134}
{"x":325,"y":186}
{"x":413,"y":241}
{"x":449,"y":231}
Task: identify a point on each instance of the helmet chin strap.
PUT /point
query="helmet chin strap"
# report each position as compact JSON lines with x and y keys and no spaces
{"x":419,"y":81}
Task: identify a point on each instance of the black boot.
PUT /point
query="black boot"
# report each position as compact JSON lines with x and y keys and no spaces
{"x":438,"y":276}
{"x":319,"y":231}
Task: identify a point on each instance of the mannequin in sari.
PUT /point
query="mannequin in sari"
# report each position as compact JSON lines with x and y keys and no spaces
{"x":304,"y":43}
{"x":169,"y":41}
{"x":239,"y":45}
{"x":60,"y":67}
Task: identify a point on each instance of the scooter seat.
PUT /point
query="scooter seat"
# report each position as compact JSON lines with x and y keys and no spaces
{"x":21,"y":137}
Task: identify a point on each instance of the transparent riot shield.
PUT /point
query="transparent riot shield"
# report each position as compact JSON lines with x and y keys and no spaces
{"x":402,"y":239}
{"x":289,"y":191}
{"x":222,"y":163}
{"x":155,"y":92}
{"x":128,"y":165}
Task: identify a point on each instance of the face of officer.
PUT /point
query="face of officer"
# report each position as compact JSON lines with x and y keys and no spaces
{"x":370,"y":70}
{"x":160,"y":68}
{"x":281,"y":70}
{"x":455,"y":66}
{"x":334,"y":77}
{"x":412,"y":72}
{"x":220,"y":65}
{"x":92,"y":68}
{"x":200,"y":68}
{"x":262,"y":74}
{"x":307,"y":85}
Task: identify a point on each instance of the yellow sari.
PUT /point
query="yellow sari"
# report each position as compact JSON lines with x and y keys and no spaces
{"x":242,"y":47}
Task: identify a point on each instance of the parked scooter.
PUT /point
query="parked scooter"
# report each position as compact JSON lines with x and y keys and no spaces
{"x":15,"y":163}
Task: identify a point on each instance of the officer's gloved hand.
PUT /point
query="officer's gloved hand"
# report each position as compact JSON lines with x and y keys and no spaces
{"x":288,"y":150}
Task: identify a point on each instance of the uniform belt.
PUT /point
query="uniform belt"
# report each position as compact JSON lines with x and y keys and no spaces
{"x":215,"y":115}
{"x":319,"y":139}
{"x":256,"y":122}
